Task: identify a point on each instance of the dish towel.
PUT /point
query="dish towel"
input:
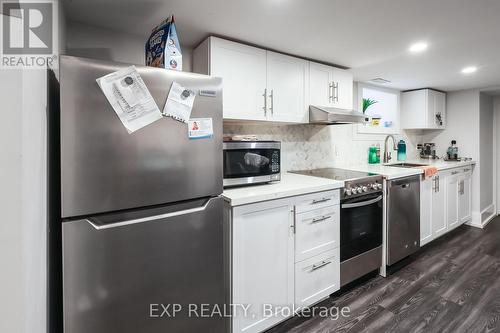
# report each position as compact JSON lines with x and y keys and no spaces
{"x":429,"y":171}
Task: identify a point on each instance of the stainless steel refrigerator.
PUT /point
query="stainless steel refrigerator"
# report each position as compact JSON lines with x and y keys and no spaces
{"x":141,"y":213}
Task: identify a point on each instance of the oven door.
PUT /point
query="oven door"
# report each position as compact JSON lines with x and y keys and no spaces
{"x":360,"y":225}
{"x":251,"y":162}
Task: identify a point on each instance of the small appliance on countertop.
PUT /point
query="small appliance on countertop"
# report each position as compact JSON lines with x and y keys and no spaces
{"x":251,"y":162}
{"x":452,"y":154}
{"x":427,"y":150}
{"x":361,"y":215}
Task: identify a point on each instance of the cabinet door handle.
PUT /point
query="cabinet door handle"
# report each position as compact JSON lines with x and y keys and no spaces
{"x":437,"y":184}
{"x":272,"y":102}
{"x":321,"y":264}
{"x":294,"y":219}
{"x":321,"y":219}
{"x":336,"y":91}
{"x":314,"y":202}
{"x":330,"y":92}
{"x":265,"y":101}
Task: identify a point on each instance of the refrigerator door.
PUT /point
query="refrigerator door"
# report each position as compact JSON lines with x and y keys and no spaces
{"x":105,"y":169}
{"x":122,"y":271}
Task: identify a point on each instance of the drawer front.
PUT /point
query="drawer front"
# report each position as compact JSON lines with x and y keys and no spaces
{"x":319,"y":200}
{"x":316,"y":278}
{"x":316,"y":232}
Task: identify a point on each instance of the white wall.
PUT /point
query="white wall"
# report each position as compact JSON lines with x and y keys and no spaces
{"x":23,"y":195}
{"x":486,"y":153}
{"x":496,"y":104}
{"x":98,"y":43}
{"x":11,"y":229}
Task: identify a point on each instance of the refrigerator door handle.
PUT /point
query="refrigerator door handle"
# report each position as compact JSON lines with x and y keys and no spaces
{"x":149,"y":218}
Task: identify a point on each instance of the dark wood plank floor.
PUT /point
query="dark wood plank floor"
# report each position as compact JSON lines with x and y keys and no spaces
{"x":451,"y":285}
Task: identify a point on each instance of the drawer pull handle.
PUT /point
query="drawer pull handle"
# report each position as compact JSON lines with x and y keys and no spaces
{"x":320,"y":200}
{"x":465,"y":170}
{"x":322,"y":264}
{"x":320,"y":219}
{"x":455,"y":172}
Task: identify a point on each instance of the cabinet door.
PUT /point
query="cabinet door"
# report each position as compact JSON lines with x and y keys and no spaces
{"x":243,"y":70}
{"x":439,"y":226}
{"x":452,"y":201}
{"x":439,"y":109}
{"x":287,"y":79}
{"x":426,"y":192}
{"x":342,"y":89}
{"x":320,"y":84}
{"x":263,"y":262}
{"x":464,"y":201}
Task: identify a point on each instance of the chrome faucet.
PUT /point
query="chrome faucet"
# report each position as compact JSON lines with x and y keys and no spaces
{"x":387,"y":154}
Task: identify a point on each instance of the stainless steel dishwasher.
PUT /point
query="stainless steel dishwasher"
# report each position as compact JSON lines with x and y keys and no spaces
{"x":403,"y":218}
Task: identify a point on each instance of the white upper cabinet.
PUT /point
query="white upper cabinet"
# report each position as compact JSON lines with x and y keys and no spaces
{"x":330,"y":86}
{"x":259,"y":85}
{"x":287,"y":79}
{"x":423,"y":109}
{"x":243,"y":70}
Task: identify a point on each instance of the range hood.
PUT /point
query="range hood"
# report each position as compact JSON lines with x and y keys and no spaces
{"x":329,"y":115}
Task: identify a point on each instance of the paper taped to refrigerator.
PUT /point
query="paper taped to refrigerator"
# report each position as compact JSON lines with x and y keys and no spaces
{"x":179,"y":103}
{"x":130,"y":98}
{"x":200,"y":128}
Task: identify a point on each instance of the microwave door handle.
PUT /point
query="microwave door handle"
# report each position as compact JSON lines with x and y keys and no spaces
{"x":363,"y":203}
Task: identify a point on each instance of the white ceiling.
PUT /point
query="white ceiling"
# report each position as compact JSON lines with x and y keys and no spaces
{"x":370,"y":36}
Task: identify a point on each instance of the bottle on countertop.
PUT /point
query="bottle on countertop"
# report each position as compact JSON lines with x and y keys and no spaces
{"x":378,"y":152}
{"x":372,"y":155}
{"x":452,"y":151}
{"x":402,"y":151}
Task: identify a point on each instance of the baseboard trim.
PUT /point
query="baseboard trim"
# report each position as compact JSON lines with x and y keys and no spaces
{"x":477,"y":220}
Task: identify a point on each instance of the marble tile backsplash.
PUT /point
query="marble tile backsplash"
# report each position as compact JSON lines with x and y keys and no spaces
{"x":319,"y":146}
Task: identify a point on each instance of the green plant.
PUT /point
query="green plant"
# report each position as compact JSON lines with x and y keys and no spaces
{"x":367,"y":102}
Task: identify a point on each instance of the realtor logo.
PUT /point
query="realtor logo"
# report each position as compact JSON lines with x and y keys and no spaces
{"x":27,"y":33}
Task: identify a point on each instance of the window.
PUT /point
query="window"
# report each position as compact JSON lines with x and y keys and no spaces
{"x":381,"y":105}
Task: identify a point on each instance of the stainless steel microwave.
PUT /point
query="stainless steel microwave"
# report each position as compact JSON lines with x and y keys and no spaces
{"x":251,"y":162}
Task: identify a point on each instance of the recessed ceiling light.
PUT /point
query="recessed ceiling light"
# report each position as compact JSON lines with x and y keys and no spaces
{"x":418,"y":47}
{"x":469,"y":69}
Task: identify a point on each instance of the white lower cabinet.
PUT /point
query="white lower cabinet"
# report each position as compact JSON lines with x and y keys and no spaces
{"x":262,"y":262}
{"x":464,"y":196}
{"x":438,"y":215}
{"x":452,"y":220}
{"x":445,"y":203}
{"x":281,"y":259}
{"x":316,"y":278}
{"x":316,"y":231}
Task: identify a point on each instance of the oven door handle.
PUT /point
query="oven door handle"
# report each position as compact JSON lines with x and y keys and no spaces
{"x":363,"y":203}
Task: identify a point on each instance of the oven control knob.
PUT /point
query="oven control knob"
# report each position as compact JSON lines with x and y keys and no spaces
{"x":379,"y":186}
{"x":365,"y":189}
{"x":359,"y":189}
{"x":347,"y":191}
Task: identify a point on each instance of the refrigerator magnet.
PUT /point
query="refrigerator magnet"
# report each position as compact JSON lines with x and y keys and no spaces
{"x":200,"y":128}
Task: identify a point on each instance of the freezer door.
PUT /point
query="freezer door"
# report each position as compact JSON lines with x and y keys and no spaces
{"x":105,"y":169}
{"x":121,"y":272}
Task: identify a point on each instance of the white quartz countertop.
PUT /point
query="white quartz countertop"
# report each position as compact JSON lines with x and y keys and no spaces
{"x":289,"y":186}
{"x":391,"y":172}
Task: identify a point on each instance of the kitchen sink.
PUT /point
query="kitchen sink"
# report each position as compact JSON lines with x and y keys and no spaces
{"x":405,"y":165}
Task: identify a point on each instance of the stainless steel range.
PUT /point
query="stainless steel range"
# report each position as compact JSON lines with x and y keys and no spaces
{"x":361,"y":218}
